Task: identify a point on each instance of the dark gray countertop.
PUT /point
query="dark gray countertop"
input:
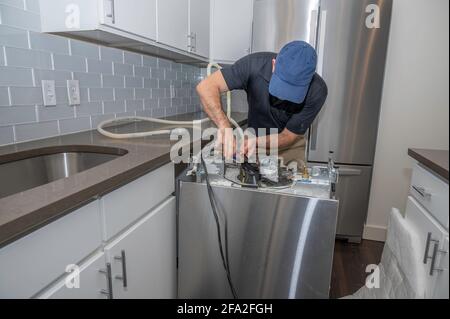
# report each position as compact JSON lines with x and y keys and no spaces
{"x":435,"y":160}
{"x":25,"y":212}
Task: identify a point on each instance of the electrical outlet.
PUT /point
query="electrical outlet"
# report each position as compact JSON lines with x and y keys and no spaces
{"x":49,"y":92}
{"x":73,"y":91}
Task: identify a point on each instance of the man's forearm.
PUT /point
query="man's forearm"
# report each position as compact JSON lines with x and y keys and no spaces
{"x":280,"y":141}
{"x":212,"y":105}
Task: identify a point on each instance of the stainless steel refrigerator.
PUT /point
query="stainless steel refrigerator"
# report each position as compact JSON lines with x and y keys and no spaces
{"x":351,"y":38}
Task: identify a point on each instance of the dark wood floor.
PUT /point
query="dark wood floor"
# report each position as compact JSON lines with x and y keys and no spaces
{"x":349,"y":266}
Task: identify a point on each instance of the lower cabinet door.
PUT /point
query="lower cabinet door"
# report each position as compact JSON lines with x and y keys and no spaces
{"x":143,"y":259}
{"x":91,"y":283}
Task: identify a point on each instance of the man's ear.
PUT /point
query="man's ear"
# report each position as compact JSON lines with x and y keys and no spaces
{"x":273,"y":65}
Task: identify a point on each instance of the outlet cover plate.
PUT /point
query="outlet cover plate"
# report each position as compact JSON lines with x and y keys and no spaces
{"x":49,"y":92}
{"x":73,"y":91}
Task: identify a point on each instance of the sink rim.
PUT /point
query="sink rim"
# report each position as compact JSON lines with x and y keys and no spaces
{"x":60,"y":149}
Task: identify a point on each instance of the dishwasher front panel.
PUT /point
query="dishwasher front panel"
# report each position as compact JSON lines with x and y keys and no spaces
{"x":280,"y":246}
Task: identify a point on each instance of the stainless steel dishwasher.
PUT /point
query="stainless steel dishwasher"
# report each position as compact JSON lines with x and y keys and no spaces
{"x":277,"y":242}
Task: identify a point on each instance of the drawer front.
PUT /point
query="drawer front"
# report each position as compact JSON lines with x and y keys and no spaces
{"x":35,"y":261}
{"x":423,"y":225}
{"x":432,"y":193}
{"x":127,"y":204}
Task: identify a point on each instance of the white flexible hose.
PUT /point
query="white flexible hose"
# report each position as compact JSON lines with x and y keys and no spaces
{"x":101,"y":130}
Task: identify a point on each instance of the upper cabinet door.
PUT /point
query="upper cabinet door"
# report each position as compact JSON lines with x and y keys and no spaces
{"x":133,"y":16}
{"x":231,"y":30}
{"x":199,"y":27}
{"x":173,"y":23}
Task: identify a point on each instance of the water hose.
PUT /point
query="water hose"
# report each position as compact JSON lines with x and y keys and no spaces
{"x":110,"y":122}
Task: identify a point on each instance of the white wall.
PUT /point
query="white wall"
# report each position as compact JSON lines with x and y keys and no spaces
{"x":415,"y":105}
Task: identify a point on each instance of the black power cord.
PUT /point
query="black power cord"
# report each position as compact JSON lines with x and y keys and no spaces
{"x":214,"y":206}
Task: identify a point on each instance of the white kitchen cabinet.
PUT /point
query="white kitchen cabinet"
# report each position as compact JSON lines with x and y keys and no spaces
{"x":143,"y":259}
{"x":92,"y":282}
{"x":155,"y":27}
{"x":231,"y":31}
{"x":173,"y":23}
{"x":134,"y":16}
{"x":33,"y":262}
{"x":127,"y":204}
{"x":199,"y":27}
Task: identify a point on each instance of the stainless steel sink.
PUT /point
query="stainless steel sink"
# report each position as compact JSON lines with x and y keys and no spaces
{"x":53,"y":164}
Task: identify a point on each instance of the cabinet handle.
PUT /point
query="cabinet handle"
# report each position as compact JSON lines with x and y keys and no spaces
{"x":426,"y":255}
{"x":112,"y":15}
{"x":422,"y":192}
{"x":107,"y":272}
{"x":123,"y":259}
{"x":433,"y":258}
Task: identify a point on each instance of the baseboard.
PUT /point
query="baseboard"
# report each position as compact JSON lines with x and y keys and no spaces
{"x":376,"y":233}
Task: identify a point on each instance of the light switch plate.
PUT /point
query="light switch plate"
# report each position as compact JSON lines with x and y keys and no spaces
{"x":73,"y":91}
{"x":49,"y":92}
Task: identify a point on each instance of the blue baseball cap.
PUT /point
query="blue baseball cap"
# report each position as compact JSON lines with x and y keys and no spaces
{"x":294,"y":70}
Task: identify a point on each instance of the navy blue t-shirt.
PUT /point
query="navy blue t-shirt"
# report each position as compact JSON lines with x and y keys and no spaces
{"x":252,"y":74}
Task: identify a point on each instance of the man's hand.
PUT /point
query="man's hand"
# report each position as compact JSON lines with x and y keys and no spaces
{"x":226,"y":142}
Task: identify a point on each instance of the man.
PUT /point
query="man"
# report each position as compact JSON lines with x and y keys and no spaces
{"x":283,"y":92}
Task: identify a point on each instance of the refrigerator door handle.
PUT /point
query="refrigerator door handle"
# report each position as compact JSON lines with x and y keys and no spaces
{"x":321,"y":40}
{"x":343,"y":172}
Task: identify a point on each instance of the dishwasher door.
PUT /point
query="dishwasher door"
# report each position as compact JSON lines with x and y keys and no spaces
{"x":280,"y":246}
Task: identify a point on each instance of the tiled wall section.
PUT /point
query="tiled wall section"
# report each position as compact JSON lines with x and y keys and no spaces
{"x":113,"y":82}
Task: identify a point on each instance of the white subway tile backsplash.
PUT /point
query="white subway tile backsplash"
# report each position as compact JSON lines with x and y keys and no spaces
{"x":60,"y":77}
{"x":75,"y":125}
{"x":133,"y":82}
{"x":114,"y":107}
{"x":88,"y":109}
{"x":6,"y":135}
{"x":143,"y":72}
{"x":163,"y":63}
{"x":26,"y":95}
{"x":88,"y":80}
{"x":11,"y":76}
{"x":100,"y":67}
{"x":123,"y":69}
{"x":151,"y":103}
{"x":157,"y":74}
{"x":33,"y":131}
{"x":4,"y":96}
{"x":69,"y":63}
{"x":13,"y":37}
{"x":97,"y":119}
{"x":28,"y":58}
{"x":132,"y":58}
{"x":143,"y":93}
{"x":111,"y":55}
{"x":151,"y":83}
{"x":17,"y":17}
{"x":150,"y":61}
{"x":85,"y":49}
{"x":134,"y":105}
{"x":17,"y":114}
{"x":101,"y":94}
{"x":124,"y":94}
{"x":2,"y":57}
{"x":112,"y":81}
{"x":50,"y":43}
{"x":158,"y":112}
{"x":60,"y":111}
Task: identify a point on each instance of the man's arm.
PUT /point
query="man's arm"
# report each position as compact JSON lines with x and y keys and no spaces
{"x":281,"y":141}
{"x":209,"y":91}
